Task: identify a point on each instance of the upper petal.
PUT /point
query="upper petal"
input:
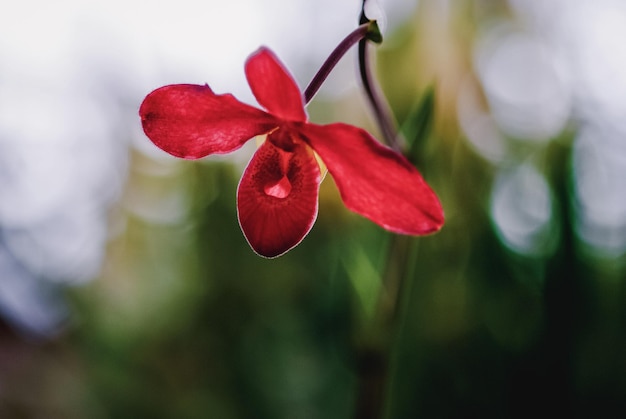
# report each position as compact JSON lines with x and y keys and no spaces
{"x":273,"y":86}
{"x":191,"y":121}
{"x":277,"y":198}
{"x":374,"y":180}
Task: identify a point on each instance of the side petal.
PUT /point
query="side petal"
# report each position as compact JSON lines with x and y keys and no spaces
{"x":277,"y":198}
{"x":374,"y":180}
{"x":274,"y":87}
{"x":190,"y":121}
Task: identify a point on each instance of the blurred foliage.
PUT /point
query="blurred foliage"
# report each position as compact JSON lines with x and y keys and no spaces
{"x":187,"y":322}
{"x":230,"y":334}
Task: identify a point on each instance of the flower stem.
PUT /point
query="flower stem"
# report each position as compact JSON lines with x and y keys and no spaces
{"x":374,"y":382}
{"x":380,"y":107}
{"x":366,"y":30}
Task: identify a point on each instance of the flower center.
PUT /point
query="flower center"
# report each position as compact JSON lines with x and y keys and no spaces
{"x":280,"y":189}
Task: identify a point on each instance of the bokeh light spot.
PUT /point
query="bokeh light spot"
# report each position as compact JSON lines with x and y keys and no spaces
{"x":521,"y":209}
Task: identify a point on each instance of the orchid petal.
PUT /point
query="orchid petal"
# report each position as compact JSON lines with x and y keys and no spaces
{"x":190,"y":121}
{"x":374,"y":180}
{"x":277,"y":198}
{"x":274,"y":87}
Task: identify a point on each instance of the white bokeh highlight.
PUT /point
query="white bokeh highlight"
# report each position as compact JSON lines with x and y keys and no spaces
{"x":525,"y":88}
{"x":521,"y":209}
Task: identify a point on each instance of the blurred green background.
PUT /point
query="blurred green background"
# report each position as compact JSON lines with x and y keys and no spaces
{"x":515,"y":309}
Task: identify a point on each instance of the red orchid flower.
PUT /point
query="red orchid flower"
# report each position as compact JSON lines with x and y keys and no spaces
{"x":277,"y":198}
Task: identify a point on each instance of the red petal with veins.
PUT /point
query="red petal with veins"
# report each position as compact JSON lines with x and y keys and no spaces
{"x":190,"y":121}
{"x":277,"y":198}
{"x":374,"y":180}
{"x":274,"y":87}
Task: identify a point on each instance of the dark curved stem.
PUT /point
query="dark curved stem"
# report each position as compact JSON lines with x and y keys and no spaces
{"x":381,"y":109}
{"x":373,"y":368}
{"x":355,"y":36}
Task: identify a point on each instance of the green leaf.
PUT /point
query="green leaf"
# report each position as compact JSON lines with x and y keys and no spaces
{"x":419,"y":123}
